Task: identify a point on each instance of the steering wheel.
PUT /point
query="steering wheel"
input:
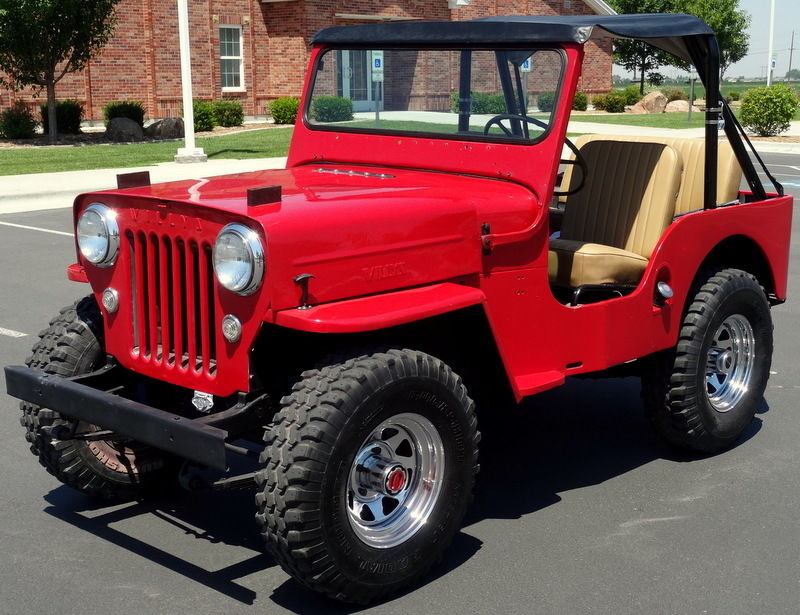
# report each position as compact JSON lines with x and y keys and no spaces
{"x":579,"y":161}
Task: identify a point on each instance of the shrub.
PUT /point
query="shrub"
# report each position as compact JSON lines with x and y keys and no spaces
{"x":130,"y":109}
{"x":767,"y":111}
{"x":204,"y":116}
{"x":17,"y":122}
{"x":674,"y":94}
{"x":483,"y":103}
{"x":733,"y":95}
{"x":228,"y":113}
{"x":613,"y":102}
{"x":284,"y":110}
{"x":69,"y":115}
{"x":546,"y":101}
{"x":631,"y":95}
{"x":580,"y":102}
{"x":332,"y":109}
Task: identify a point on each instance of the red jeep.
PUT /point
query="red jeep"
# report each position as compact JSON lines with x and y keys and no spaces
{"x":335,"y":320}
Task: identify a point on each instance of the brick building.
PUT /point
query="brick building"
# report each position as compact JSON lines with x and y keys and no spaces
{"x":256,"y":50}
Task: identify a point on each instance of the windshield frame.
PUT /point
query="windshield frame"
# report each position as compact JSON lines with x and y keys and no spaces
{"x":455,"y":136}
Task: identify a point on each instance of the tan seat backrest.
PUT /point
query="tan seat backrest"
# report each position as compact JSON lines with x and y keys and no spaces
{"x":629,"y":197}
{"x":693,"y":152}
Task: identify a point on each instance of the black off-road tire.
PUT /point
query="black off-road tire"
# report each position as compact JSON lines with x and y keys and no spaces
{"x":674,"y":382}
{"x":310,"y":448}
{"x":69,"y":346}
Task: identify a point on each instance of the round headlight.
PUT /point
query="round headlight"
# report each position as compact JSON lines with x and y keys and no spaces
{"x":239,"y":259}
{"x":98,"y":235}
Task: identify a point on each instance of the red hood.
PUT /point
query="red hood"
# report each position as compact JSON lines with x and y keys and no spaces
{"x":358,"y":230}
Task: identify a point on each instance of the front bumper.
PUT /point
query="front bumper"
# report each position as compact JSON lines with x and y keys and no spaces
{"x":192,"y":439}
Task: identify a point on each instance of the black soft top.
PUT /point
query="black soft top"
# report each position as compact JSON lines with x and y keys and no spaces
{"x":674,"y":33}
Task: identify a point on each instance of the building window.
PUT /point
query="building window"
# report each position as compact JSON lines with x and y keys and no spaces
{"x":230,"y":58}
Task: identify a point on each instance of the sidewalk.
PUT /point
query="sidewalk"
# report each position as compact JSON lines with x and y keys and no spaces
{"x":39,"y":191}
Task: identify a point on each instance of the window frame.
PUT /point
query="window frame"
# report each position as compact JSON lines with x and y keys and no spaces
{"x":310,"y":125}
{"x":241,"y":87}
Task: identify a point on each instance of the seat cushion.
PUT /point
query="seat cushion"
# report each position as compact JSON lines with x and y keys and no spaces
{"x":629,"y":196}
{"x":576,"y":263}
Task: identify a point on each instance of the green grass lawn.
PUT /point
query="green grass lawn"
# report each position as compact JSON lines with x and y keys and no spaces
{"x":253,"y":144}
{"x":651,"y":120}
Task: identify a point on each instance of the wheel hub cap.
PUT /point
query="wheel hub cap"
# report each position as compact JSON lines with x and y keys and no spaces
{"x":395,"y":480}
{"x":729,"y":363}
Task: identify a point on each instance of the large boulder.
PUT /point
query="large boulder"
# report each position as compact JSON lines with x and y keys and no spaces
{"x":169,"y":128}
{"x":123,"y":130}
{"x":679,"y":106}
{"x":654,"y":102}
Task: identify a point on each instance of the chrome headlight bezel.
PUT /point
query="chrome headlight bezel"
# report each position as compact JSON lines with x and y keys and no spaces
{"x":108,"y":219}
{"x":255,"y":252}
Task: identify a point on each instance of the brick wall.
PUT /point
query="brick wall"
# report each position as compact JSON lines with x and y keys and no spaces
{"x":142,"y":61}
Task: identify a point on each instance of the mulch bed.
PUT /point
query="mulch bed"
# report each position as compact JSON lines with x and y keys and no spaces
{"x":97,"y":137}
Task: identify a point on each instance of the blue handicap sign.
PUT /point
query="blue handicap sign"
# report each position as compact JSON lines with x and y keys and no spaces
{"x":377,"y":62}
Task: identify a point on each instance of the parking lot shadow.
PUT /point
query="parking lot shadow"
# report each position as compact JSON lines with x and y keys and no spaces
{"x":214,"y":517}
{"x":582,"y":434}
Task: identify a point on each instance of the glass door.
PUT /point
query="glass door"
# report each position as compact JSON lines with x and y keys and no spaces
{"x":356,"y":79}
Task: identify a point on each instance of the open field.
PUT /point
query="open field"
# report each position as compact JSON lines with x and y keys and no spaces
{"x":726,"y":88}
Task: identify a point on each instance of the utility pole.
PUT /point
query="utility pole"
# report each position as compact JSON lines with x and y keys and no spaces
{"x":791,"y":52}
{"x":770,"y":57}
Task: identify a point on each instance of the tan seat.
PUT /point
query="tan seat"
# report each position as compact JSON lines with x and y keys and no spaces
{"x":693,"y":153}
{"x":611,"y":226}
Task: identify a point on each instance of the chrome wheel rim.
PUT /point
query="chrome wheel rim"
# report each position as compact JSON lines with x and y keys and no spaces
{"x":395,"y":480}
{"x":729,"y":363}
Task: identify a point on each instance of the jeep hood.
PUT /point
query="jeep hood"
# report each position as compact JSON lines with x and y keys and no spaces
{"x":358,"y":230}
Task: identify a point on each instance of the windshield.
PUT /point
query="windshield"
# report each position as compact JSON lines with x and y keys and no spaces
{"x":472,"y":94}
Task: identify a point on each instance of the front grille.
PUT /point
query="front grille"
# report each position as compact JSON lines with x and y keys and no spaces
{"x":173,"y":304}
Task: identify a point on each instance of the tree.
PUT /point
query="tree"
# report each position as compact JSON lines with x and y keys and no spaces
{"x":41,"y":41}
{"x":793,"y":75}
{"x":638,"y":56}
{"x":729,"y":23}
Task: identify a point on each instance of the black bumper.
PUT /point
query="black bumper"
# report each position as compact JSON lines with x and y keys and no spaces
{"x":180,"y":436}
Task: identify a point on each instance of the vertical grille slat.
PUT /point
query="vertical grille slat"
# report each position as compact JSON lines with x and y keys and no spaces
{"x":151,"y":246}
{"x":205,"y":342}
{"x":177,"y":300}
{"x":172,"y":303}
{"x":141,"y":289}
{"x":165,"y":309}
{"x":191,"y":328}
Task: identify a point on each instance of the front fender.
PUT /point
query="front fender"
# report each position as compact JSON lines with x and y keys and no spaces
{"x":381,"y":311}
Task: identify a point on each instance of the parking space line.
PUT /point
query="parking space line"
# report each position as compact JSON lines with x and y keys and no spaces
{"x":12,"y":333}
{"x":36,"y":228}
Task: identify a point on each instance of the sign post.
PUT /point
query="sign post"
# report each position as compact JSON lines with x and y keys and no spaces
{"x":525,"y":69}
{"x":377,"y":80}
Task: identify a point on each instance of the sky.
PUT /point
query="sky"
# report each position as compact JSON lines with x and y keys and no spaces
{"x":787,"y":18}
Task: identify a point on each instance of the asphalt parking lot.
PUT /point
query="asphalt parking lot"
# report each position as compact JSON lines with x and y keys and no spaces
{"x":579,"y":509}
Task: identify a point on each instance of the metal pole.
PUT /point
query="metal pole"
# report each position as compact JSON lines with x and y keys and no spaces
{"x":791,"y":53}
{"x":190,"y":152}
{"x":771,"y":41}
